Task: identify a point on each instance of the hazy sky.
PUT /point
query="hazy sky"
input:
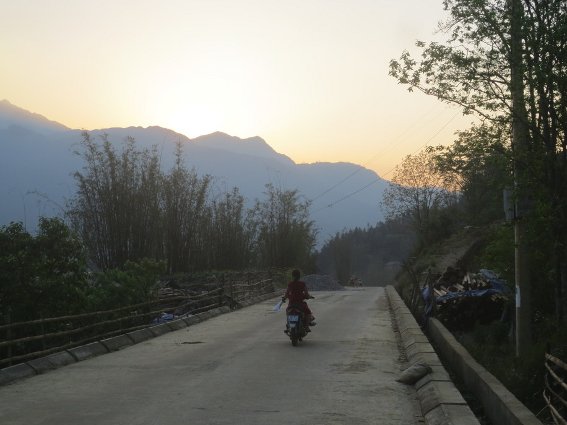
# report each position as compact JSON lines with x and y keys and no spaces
{"x":308,"y":76}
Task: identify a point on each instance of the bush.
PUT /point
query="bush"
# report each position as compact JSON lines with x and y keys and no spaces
{"x":133,"y":283}
{"x":42,"y":275}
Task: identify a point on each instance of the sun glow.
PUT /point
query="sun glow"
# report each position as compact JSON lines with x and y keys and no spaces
{"x":311,"y":78}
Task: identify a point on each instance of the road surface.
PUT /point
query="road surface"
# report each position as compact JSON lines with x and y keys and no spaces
{"x":237,"y":368}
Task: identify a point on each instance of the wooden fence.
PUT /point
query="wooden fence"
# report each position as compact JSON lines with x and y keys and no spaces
{"x":555,"y":391}
{"x":23,"y":341}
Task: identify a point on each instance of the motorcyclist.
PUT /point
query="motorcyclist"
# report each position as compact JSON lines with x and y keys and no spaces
{"x":297,"y":293}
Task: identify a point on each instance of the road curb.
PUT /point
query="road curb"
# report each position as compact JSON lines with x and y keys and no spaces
{"x":40,"y":365}
{"x":117,"y":342}
{"x":53,"y":361}
{"x":87,"y":351}
{"x":441,"y":402}
{"x":13,"y":373}
{"x":159,"y":330}
{"x":140,"y":335}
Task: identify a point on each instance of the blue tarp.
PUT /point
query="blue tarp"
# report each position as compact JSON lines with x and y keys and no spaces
{"x":467,"y":294}
{"x":164,"y":317}
{"x":498,"y":287}
{"x":495,"y":281}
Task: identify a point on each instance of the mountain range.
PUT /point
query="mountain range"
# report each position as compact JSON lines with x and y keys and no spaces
{"x":37,"y":160}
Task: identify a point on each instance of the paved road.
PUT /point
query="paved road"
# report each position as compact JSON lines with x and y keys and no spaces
{"x":237,"y":368}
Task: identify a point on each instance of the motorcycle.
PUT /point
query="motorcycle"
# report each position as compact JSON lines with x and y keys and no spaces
{"x":296,"y":327}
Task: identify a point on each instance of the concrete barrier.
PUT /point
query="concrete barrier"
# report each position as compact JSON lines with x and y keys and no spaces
{"x":176,"y":325}
{"x":499,"y":404}
{"x":441,"y":402}
{"x":204,"y":315}
{"x":140,"y":335}
{"x":117,"y":342}
{"x":88,"y":350}
{"x":191,"y":320}
{"x":13,"y":373}
{"x":159,"y":330}
{"x":53,"y":361}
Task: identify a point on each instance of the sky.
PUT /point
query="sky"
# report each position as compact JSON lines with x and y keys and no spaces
{"x":308,"y":76}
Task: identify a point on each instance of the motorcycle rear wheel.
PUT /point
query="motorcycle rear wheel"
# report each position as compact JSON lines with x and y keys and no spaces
{"x":294,"y":337}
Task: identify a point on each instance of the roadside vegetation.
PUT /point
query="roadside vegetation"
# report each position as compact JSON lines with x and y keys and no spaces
{"x":504,"y":62}
{"x":131,"y":223}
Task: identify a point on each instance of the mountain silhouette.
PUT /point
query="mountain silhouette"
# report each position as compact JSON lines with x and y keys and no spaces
{"x":38,"y":158}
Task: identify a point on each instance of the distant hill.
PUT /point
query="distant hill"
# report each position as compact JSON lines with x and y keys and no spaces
{"x":37,"y":163}
{"x":11,"y":115}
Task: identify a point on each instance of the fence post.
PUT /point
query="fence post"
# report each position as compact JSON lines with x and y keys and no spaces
{"x":8,"y":320}
{"x":42,"y":332}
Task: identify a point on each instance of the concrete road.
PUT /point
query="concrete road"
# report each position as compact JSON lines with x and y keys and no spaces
{"x":237,"y":368}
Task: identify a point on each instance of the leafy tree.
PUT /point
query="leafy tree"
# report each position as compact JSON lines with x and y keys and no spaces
{"x":133,"y":283}
{"x":505,"y":61}
{"x":478,"y":163}
{"x":16,"y":273}
{"x":44,"y":275}
{"x":472,"y":68}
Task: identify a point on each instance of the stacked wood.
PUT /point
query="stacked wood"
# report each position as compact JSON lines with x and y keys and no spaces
{"x":464,"y":299}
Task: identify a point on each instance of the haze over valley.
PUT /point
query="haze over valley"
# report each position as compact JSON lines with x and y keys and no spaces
{"x":38,"y":158}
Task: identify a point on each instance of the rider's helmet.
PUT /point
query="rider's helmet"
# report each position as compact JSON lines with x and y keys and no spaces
{"x":296,"y":274}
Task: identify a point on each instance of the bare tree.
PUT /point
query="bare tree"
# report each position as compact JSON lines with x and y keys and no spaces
{"x":417,"y":191}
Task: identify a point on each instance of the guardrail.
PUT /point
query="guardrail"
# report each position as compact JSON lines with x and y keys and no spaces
{"x":555,"y":391}
{"x":24,"y":341}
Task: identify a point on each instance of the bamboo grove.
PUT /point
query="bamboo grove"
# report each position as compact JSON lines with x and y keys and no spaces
{"x":127,"y":208}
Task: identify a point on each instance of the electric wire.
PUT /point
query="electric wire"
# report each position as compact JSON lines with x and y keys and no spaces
{"x":345,"y":197}
{"x":407,"y":130}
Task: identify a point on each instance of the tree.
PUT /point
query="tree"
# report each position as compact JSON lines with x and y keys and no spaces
{"x":505,"y":61}
{"x":285,"y":236}
{"x":185,"y":198}
{"x":479,"y":164}
{"x":231,"y":235}
{"x":117,"y":208}
{"x":472,"y":69}
{"x":417,"y":191}
{"x":371,"y":254}
{"x":16,"y":273}
{"x":43,"y":275}
{"x":133,"y":283}
{"x":341,"y":251}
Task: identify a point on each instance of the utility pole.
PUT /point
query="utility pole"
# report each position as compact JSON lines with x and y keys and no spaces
{"x":520,"y":141}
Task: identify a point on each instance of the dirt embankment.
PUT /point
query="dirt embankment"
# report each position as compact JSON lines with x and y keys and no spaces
{"x":458,"y":251}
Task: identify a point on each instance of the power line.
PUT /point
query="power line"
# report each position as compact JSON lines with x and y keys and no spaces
{"x":359,"y":169}
{"x":348,"y":196}
{"x":332,"y":204}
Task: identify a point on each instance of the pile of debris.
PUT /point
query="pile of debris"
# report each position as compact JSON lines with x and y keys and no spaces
{"x":316,"y":282}
{"x":461,"y":299}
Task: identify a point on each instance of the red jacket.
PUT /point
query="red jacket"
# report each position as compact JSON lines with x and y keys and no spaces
{"x":296,"y":293}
